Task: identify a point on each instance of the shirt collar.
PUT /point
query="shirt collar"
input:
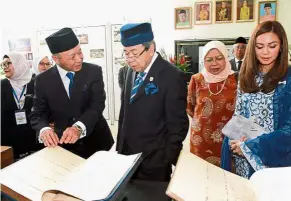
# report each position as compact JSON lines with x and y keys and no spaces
{"x":236,"y":60}
{"x":63,"y":72}
{"x":150,"y":65}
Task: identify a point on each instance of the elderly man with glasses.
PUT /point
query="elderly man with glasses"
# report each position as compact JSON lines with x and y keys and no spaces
{"x":153,"y":117}
{"x":239,"y":49}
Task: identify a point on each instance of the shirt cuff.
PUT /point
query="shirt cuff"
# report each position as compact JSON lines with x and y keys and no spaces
{"x":41,"y":131}
{"x":84,"y":131}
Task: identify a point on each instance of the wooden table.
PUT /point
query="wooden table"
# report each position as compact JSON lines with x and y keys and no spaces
{"x":6,"y":156}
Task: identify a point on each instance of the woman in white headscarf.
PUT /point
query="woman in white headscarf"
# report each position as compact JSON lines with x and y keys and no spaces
{"x":16,"y":102}
{"x":211,"y":102}
{"x":41,"y":63}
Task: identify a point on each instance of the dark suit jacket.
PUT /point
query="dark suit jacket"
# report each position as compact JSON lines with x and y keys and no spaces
{"x":122,"y":76}
{"x":233,"y":65}
{"x":86,"y":104}
{"x":22,"y":138}
{"x":154,"y":124}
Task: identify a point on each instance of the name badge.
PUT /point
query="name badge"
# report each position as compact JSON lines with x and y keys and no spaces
{"x":20,"y":117}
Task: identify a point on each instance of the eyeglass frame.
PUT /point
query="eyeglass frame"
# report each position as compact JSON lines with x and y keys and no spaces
{"x":242,"y":47}
{"x":135,"y":56}
{"x":45,"y":64}
{"x":215,"y":59}
{"x":5,"y":64}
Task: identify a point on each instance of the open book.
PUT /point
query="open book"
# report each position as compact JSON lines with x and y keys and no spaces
{"x":48,"y":173}
{"x":195,"y":179}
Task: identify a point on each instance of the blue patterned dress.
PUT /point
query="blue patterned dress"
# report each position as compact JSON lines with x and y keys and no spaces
{"x":260,"y":106}
{"x":272,"y":112}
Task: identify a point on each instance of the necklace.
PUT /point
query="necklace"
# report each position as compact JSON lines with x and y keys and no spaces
{"x":211,"y":93}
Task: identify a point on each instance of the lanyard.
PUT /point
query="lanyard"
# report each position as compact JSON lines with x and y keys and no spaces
{"x":18,"y":99}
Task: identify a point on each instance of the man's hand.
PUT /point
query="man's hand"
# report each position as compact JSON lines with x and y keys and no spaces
{"x":70,"y":135}
{"x":49,"y":138}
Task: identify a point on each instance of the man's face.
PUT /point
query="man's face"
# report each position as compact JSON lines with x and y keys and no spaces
{"x":137,"y":57}
{"x":70,"y":60}
{"x":239,"y":50}
{"x":268,"y":10}
{"x":182,"y":17}
{"x":223,"y":4}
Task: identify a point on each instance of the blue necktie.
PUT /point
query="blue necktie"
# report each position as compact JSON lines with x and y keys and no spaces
{"x":70,"y":75}
{"x":137,"y":83}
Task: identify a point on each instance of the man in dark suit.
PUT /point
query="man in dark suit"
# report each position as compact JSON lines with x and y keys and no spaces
{"x":72,"y":93}
{"x":153,"y":117}
{"x":239,"y":49}
{"x":121,"y":76}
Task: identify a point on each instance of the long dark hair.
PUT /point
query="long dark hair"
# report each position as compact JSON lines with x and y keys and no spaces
{"x":250,"y":66}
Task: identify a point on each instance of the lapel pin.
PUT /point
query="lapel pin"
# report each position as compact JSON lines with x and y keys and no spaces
{"x":151,"y":79}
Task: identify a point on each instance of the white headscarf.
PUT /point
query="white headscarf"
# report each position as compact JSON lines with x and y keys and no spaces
{"x":22,"y":74}
{"x":36,"y":62}
{"x":210,"y":78}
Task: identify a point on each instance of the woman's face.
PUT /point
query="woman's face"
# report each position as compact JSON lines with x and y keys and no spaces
{"x":214,"y":62}
{"x":44,"y":64}
{"x":8,"y":67}
{"x":267,"y":48}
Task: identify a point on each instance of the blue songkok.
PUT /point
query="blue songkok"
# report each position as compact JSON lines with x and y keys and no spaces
{"x":135,"y":34}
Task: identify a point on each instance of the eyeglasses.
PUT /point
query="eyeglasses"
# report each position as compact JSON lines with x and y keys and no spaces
{"x":210,"y":60}
{"x":242,"y":47}
{"x":45,"y":64}
{"x":5,"y":65}
{"x":126,"y":54}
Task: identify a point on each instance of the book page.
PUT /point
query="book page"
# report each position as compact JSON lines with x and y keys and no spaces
{"x":97,"y":177}
{"x":40,"y":171}
{"x":272,"y":184}
{"x":196,"y":179}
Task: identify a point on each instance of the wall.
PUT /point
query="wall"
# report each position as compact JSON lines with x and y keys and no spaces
{"x":53,"y":14}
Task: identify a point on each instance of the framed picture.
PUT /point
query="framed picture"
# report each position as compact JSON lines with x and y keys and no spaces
{"x":20,"y":45}
{"x":83,"y":38}
{"x":203,"y":12}
{"x":267,"y":11}
{"x":245,"y":10}
{"x":183,"y":18}
{"x":223,"y":11}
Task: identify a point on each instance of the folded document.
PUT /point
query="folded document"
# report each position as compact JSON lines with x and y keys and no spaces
{"x":239,"y":126}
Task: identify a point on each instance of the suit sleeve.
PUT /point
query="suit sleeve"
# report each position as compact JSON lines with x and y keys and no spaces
{"x":177,"y":119}
{"x":96,"y":104}
{"x":191,"y":97}
{"x":40,"y":112}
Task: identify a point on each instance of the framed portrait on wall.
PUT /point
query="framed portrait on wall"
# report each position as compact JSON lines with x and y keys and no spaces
{"x":267,"y":11}
{"x":245,"y":10}
{"x":203,"y":12}
{"x":223,"y":11}
{"x":183,"y":18}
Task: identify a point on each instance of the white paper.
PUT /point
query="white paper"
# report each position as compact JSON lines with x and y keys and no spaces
{"x":239,"y":126}
{"x":40,"y":171}
{"x":272,"y":184}
{"x":197,"y":180}
{"x":96,"y":178}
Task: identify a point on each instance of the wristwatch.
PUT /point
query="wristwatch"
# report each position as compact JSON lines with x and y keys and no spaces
{"x":79,"y":129}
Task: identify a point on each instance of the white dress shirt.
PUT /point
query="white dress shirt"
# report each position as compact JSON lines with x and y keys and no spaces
{"x":18,"y":93}
{"x":150,"y":65}
{"x":236,"y":62}
{"x":66,"y":82}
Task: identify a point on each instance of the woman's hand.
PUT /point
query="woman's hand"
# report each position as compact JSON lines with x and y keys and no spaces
{"x":235,"y":147}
